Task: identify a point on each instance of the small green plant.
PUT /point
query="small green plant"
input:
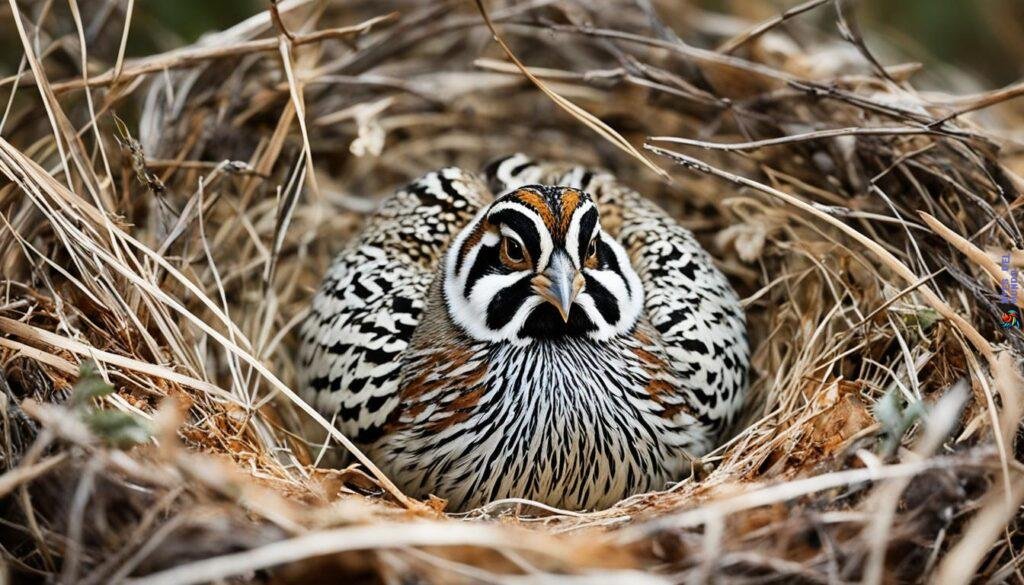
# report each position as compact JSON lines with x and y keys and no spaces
{"x":897,"y":415}
{"x":925,"y":318}
{"x":115,"y":428}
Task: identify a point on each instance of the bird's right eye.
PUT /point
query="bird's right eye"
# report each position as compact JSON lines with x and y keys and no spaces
{"x":513,"y":250}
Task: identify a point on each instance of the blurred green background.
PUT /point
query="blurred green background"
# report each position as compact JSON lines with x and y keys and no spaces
{"x":191,"y":18}
{"x":982,"y":38}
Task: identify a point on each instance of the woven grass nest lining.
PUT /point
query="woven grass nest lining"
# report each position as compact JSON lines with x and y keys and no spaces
{"x":176,"y":241}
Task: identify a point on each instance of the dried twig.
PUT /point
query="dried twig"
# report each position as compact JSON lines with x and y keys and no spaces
{"x":579,"y":113}
{"x":193,"y":56}
{"x":759,"y":29}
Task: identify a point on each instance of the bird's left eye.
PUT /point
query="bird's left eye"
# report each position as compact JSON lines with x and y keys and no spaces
{"x":513,"y":251}
{"x":592,"y":249}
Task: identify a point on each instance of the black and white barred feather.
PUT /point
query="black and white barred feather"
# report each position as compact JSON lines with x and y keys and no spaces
{"x":436,"y":343}
{"x":370,"y":302}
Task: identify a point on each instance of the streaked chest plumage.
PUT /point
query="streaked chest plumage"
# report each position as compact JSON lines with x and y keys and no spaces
{"x":570,"y":423}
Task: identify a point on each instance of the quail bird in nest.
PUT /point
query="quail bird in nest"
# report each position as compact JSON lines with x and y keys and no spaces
{"x":564,"y":341}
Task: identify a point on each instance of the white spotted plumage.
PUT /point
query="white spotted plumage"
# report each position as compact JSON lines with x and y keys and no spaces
{"x":436,"y":344}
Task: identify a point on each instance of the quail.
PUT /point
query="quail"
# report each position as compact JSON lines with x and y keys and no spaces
{"x":563,"y":340}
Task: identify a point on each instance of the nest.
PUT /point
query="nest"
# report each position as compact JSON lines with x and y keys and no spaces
{"x":165,"y":220}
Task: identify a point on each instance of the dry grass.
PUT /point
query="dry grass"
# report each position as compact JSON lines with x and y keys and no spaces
{"x":167,"y":219}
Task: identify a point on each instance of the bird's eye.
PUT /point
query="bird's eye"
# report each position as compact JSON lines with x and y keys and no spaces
{"x":513,"y":250}
{"x":592,"y":249}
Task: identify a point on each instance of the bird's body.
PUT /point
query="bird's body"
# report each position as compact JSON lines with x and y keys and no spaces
{"x":481,"y":348}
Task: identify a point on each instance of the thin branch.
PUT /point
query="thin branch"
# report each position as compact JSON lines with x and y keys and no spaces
{"x":816,"y":135}
{"x":757,"y":30}
{"x":379,"y":535}
{"x":194,"y":55}
{"x":579,"y":113}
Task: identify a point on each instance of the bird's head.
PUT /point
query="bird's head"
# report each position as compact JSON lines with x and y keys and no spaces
{"x":535,"y":264}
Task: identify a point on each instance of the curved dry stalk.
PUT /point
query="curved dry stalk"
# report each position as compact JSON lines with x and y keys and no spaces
{"x":13,"y":478}
{"x":816,"y":135}
{"x":761,"y":28}
{"x":961,"y":563}
{"x":974,"y":253}
{"x":577,"y":112}
{"x":375,"y":536}
{"x":968,"y":330}
{"x":181,"y":58}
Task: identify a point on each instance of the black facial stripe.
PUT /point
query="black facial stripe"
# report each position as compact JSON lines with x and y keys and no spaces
{"x":504,"y":305}
{"x":606,"y":258}
{"x":467,"y":246}
{"x":459,"y":259}
{"x":521,"y":168}
{"x":587,"y":223}
{"x":603,"y":299}
{"x":486,"y":261}
{"x":585,"y":179}
{"x":522,"y":225}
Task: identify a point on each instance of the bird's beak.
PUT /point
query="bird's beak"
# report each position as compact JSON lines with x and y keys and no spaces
{"x":559,"y":284}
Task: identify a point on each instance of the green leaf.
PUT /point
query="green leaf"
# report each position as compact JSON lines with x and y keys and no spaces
{"x":90,"y":384}
{"x":118,"y":429}
{"x":897,"y":416}
{"x":889,"y":411}
{"x":925,"y":318}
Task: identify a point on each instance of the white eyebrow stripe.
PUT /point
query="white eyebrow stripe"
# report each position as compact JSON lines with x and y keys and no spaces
{"x":511,"y":233}
{"x":546,"y":245}
{"x":572,"y":236}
